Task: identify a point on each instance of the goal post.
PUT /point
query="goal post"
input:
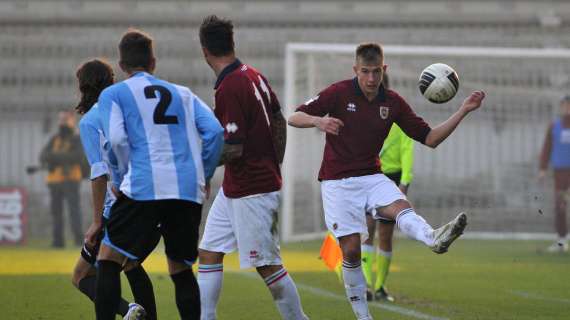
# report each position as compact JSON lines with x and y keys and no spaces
{"x":487,"y":167}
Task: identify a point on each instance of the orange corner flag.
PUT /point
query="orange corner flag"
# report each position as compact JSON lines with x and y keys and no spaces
{"x":331,"y":254}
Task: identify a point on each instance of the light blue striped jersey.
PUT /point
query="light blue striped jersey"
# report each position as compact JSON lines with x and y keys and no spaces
{"x":98,"y":153}
{"x":172,"y":138}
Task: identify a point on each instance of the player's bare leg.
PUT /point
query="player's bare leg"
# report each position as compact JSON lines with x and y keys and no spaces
{"x":354,"y":281}
{"x":283,"y":290}
{"x":561,"y":244}
{"x":210,"y":276}
{"x":186,"y":290}
{"x":415,"y":227}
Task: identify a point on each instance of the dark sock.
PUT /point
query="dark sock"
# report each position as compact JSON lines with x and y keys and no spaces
{"x":187,"y":295}
{"x":141,"y":286}
{"x":87,"y":286}
{"x":108,"y":290}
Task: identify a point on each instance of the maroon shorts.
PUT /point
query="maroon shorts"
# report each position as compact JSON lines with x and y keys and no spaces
{"x":561,"y":179}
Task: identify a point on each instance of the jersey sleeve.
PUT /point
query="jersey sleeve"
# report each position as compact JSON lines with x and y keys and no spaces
{"x":212,"y":135}
{"x":321,"y":104}
{"x":274,"y":104}
{"x":90,"y":139}
{"x":407,"y":158}
{"x":231,"y":114}
{"x":112,"y":122}
{"x":412,"y":125}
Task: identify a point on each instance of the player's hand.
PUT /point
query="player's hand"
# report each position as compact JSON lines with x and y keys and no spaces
{"x":329,"y":125}
{"x":404,"y":188}
{"x":116,"y":192}
{"x":93,"y":233}
{"x":473,"y":102}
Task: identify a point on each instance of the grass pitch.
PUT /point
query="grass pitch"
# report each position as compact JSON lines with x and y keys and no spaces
{"x":475,"y":280}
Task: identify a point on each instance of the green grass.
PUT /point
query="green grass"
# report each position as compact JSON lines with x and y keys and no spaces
{"x":475,"y":280}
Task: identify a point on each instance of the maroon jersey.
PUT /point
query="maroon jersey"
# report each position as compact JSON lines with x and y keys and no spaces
{"x":354,"y":152}
{"x":244,"y":104}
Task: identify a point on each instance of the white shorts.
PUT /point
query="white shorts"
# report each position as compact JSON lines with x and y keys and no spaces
{"x":346,"y":202}
{"x":248,"y":224}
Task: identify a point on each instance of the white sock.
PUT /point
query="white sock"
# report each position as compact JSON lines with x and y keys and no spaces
{"x":210,"y":278}
{"x":355,"y":286}
{"x":367,"y":248}
{"x":285,"y":295}
{"x":387,"y":254}
{"x":414,"y":226}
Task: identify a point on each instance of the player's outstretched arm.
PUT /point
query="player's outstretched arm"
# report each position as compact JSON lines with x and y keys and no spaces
{"x":438,"y":134}
{"x":330,"y":125}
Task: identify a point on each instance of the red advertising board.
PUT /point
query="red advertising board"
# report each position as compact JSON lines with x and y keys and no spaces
{"x":13,"y":216}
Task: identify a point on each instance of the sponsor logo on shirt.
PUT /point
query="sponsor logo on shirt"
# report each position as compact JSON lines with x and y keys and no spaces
{"x":231,"y":127}
{"x":351,"y":107}
{"x":384,"y":112}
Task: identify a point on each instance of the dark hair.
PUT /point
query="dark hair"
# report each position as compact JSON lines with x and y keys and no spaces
{"x":93,"y":76}
{"x":385,"y":81}
{"x":217,"y":35}
{"x":135,"y":50}
{"x":370,"y":52}
{"x":565,"y":99}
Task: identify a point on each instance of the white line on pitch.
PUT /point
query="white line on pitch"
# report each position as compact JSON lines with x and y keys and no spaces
{"x":538,"y":297}
{"x":378,"y":305}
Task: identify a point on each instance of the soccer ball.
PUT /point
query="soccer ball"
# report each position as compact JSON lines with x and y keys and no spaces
{"x":438,"y":83}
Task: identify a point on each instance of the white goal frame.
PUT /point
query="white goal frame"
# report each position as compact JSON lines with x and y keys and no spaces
{"x":291,"y":51}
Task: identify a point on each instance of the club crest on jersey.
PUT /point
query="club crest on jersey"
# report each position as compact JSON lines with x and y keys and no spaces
{"x":351,"y":107}
{"x":384,"y":112}
{"x":231,"y":127}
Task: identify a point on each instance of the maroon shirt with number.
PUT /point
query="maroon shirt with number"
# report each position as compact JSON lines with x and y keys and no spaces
{"x":244,"y":104}
{"x":354,"y":152}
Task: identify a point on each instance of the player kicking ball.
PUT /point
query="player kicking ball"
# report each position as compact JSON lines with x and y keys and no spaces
{"x":244,"y":213}
{"x":93,"y":76}
{"x":356,"y":115}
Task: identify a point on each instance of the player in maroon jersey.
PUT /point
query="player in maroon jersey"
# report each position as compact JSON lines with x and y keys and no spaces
{"x":356,"y":115}
{"x":244,"y":213}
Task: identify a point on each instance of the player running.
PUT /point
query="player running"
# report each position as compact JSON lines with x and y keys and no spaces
{"x":172,"y":142}
{"x":356,"y":115}
{"x":244,"y":213}
{"x":94,"y":76}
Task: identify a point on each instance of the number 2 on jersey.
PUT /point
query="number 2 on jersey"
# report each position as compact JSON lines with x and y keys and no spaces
{"x":159,"y":115}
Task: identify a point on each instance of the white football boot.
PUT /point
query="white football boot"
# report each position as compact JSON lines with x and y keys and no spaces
{"x":136,"y":312}
{"x":444,"y":236}
{"x":558,"y":247}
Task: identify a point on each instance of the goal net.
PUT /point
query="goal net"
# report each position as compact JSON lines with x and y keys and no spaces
{"x":488,"y":167}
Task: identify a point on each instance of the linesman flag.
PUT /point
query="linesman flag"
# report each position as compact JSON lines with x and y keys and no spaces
{"x":332,"y":255}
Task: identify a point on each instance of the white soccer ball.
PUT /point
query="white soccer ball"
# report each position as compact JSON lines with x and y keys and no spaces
{"x":438,"y":83}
